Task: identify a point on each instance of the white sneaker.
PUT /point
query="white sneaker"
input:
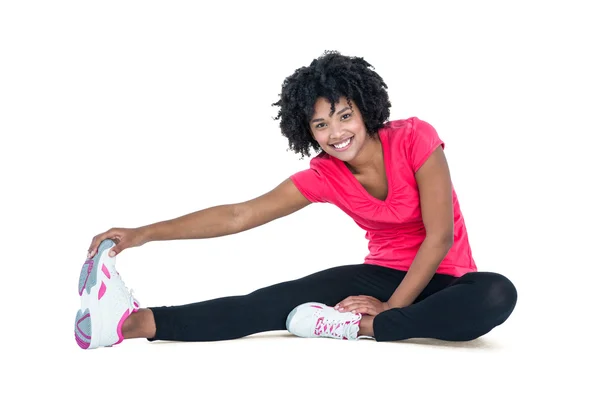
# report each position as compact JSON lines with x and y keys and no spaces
{"x":105,"y":301}
{"x":312,"y":320}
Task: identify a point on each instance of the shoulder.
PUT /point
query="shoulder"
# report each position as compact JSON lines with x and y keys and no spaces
{"x":407,"y":132}
{"x":405,"y":126}
{"x":321,"y":162}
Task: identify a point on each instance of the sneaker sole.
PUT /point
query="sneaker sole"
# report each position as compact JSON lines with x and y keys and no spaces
{"x":90,"y":290}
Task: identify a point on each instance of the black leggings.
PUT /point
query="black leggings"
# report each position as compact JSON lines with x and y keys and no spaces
{"x":449,"y":308}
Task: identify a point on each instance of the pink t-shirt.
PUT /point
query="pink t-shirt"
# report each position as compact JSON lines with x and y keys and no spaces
{"x":394,"y":227}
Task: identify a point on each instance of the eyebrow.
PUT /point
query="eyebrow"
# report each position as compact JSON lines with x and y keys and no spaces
{"x":338,"y":113}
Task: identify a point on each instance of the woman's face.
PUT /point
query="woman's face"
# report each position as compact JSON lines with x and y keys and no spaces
{"x":345,"y":123}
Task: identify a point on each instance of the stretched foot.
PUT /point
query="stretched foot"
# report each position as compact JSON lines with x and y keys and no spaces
{"x":105,"y":301}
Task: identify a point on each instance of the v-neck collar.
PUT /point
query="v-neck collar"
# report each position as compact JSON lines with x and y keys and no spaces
{"x":386,"y":162}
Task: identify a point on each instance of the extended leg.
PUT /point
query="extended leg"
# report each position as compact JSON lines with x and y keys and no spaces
{"x":238,"y":316}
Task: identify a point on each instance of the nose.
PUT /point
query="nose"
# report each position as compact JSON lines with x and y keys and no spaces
{"x":338,"y":134}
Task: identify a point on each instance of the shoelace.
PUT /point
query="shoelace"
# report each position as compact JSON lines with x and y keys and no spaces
{"x":133,"y":301}
{"x":337,"y":328}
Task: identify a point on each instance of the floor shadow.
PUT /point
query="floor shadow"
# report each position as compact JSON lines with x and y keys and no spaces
{"x":479,"y":343}
{"x":263,"y":336}
{"x":268,"y":336}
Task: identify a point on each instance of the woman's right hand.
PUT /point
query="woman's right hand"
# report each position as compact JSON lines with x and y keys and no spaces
{"x":124,"y":238}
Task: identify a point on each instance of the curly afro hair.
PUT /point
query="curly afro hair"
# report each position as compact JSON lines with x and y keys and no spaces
{"x":330,"y":76}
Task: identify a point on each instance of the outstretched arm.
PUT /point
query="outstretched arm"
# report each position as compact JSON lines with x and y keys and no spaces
{"x":211,"y":222}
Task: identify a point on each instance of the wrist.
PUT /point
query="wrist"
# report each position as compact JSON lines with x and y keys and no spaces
{"x":146,"y":233}
{"x":396,"y":304}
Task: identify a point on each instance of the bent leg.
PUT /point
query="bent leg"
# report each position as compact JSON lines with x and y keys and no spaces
{"x":263,"y":310}
{"x":468,"y":308}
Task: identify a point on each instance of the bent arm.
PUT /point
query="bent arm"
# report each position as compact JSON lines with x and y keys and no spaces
{"x":435,"y":188}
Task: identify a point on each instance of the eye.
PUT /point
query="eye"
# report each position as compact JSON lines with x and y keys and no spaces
{"x":346,"y":115}
{"x":319,"y":125}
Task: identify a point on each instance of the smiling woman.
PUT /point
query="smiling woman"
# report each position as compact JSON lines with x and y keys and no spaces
{"x":337,"y":132}
{"x":392,"y":178}
{"x":309,"y":97}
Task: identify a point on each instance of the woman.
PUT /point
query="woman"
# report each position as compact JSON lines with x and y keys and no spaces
{"x":418,"y":280}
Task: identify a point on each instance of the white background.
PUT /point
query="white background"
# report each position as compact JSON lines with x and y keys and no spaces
{"x":125,"y":113}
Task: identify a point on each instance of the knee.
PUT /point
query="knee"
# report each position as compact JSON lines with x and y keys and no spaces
{"x":501,"y":297}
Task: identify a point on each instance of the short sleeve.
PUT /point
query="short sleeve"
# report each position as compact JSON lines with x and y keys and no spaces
{"x":310,"y":183}
{"x":423,"y":141}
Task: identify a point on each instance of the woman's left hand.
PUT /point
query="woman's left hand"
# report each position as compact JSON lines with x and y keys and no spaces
{"x":362,"y":304}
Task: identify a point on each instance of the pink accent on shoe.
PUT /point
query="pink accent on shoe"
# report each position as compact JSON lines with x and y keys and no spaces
{"x":319,"y":327}
{"x":317,"y":307}
{"x":90,"y":265}
{"x":120,"y":327}
{"x":101,"y":291}
{"x":81,"y":343}
{"x":136,"y":305}
{"x":105,"y":270}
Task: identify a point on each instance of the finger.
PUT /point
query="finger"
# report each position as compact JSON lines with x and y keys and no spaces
{"x":365,"y":306}
{"x":119,"y":246}
{"x":353,"y":305}
{"x":365,"y":310}
{"x":97,"y":240}
{"x":94,"y":245}
{"x":116,"y":249}
{"x":346,"y":303}
{"x":370,"y":298}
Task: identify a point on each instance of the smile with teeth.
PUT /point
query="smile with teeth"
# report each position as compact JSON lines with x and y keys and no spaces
{"x":343,"y":144}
